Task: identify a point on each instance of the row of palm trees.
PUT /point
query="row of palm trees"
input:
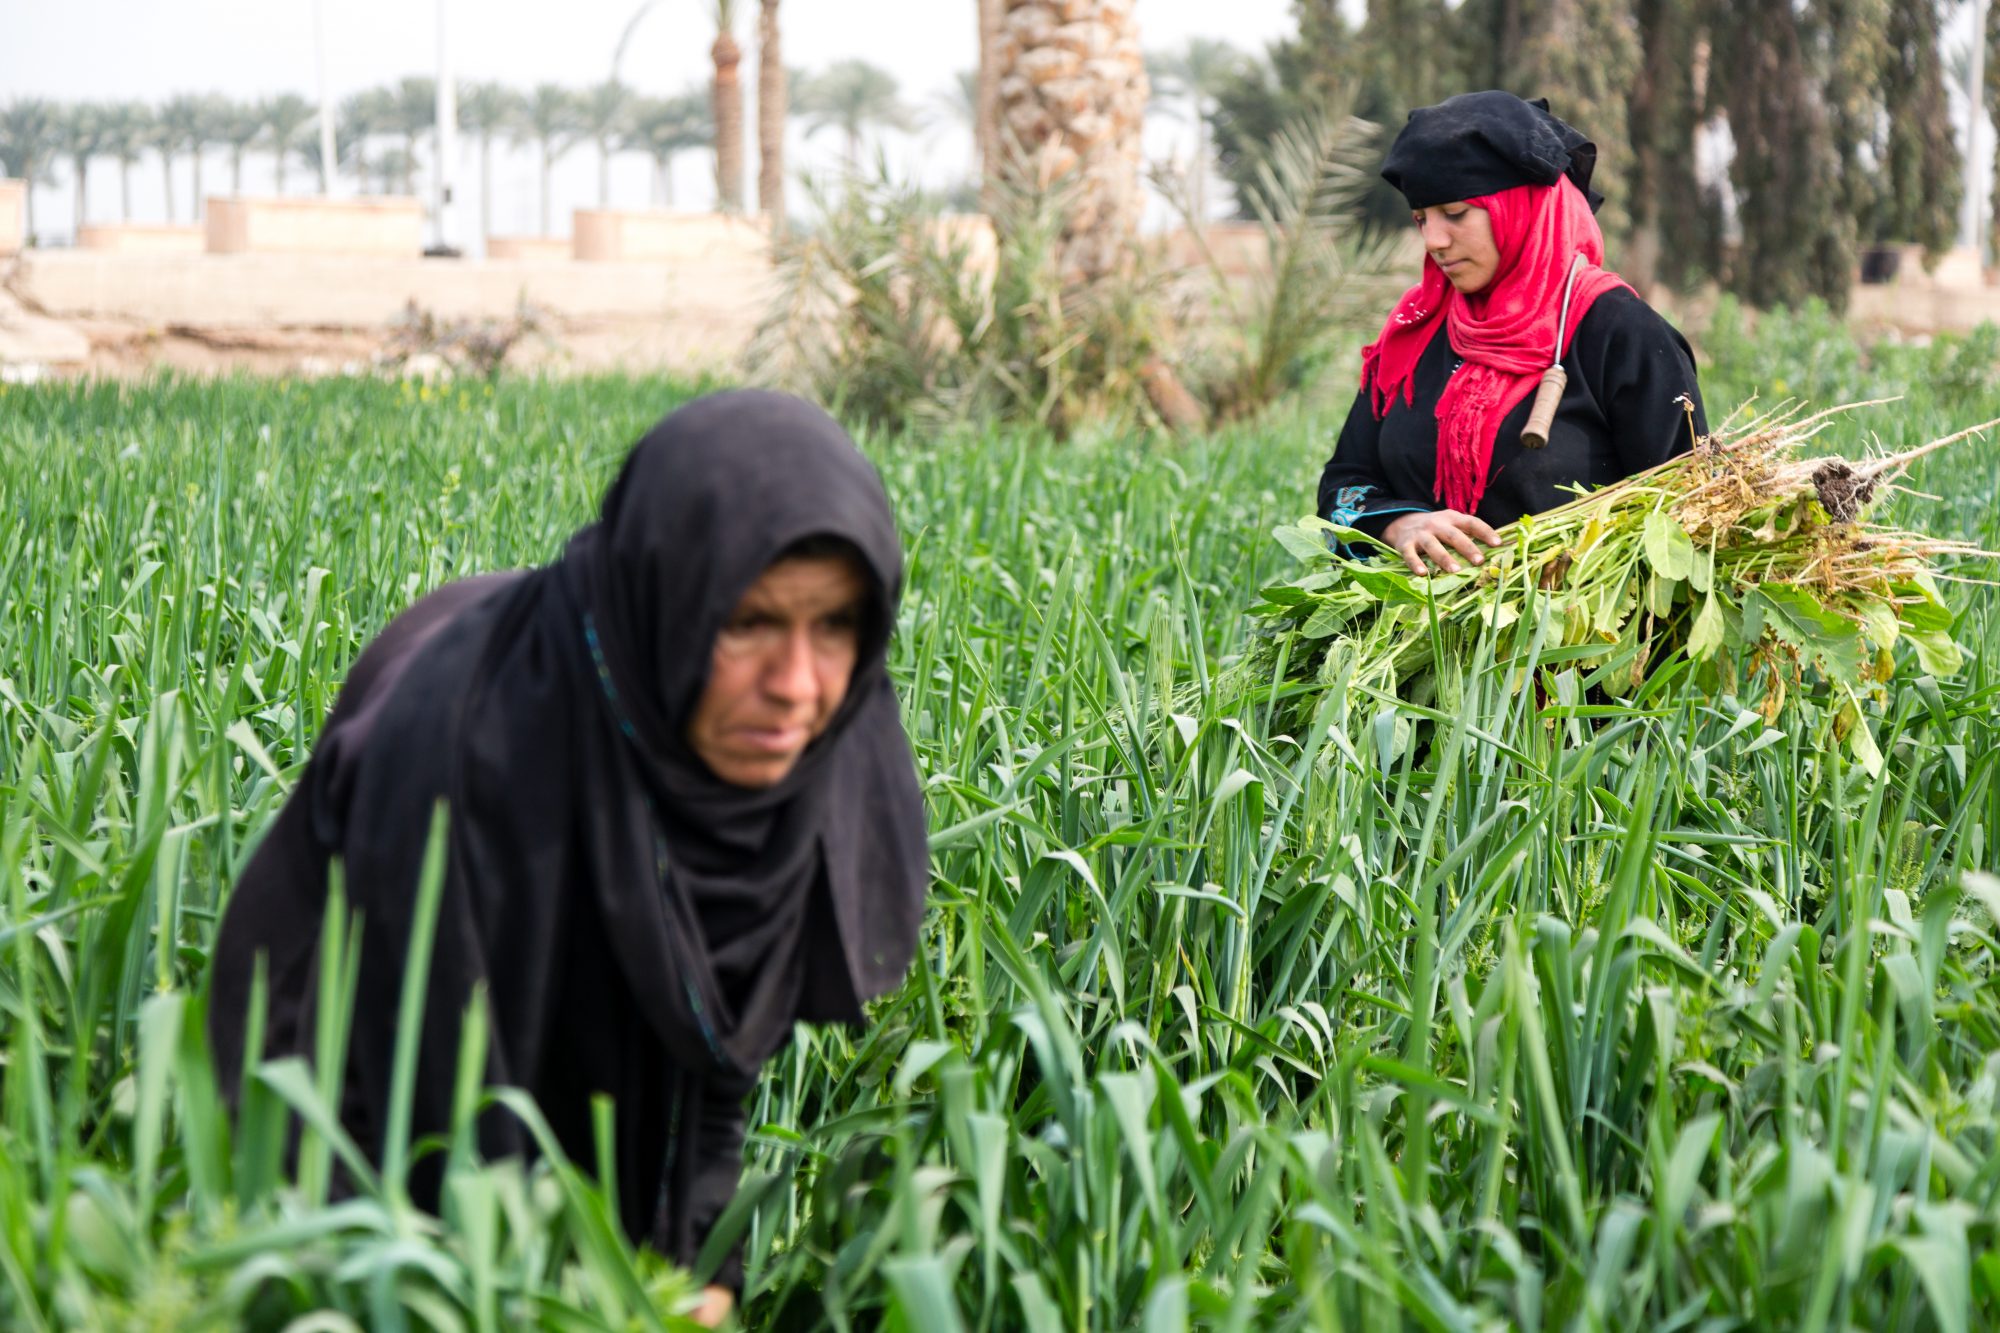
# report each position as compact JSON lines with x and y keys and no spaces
{"x":381,"y":133}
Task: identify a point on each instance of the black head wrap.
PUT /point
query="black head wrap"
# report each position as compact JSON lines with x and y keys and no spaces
{"x":638,"y":928}
{"x":1482,"y":143}
{"x":706,"y":502}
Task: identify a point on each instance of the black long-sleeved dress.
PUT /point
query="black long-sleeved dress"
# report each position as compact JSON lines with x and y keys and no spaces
{"x":1622,"y":412}
{"x":564,"y":1023}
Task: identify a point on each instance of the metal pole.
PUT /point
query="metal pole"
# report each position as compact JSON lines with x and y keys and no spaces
{"x":329,"y":172}
{"x":447,"y":136}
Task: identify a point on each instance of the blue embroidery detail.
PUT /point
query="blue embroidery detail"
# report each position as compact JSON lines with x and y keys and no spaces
{"x":1348,"y":503}
{"x":661,"y":863}
{"x":604,"y":679}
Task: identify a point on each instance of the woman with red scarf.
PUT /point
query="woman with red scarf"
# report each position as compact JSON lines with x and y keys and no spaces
{"x":1432,"y":459}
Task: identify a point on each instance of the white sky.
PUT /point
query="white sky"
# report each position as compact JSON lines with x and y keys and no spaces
{"x":150,"y":49}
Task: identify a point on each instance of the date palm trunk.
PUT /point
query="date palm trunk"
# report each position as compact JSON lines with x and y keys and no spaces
{"x":771,"y":111}
{"x":1072,"y":95}
{"x":728,"y":102}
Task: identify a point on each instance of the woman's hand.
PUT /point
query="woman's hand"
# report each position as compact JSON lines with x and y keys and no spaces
{"x":1435,"y":536}
{"x":716,"y":1305}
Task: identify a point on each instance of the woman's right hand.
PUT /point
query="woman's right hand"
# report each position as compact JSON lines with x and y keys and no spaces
{"x":1434,"y":536}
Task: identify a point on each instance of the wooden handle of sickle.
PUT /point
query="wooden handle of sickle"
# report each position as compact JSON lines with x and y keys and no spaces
{"x":1536,"y":433}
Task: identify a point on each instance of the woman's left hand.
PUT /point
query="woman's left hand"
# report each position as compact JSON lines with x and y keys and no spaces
{"x":717,"y":1303}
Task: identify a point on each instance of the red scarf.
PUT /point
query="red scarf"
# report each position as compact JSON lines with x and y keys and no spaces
{"x":1506,"y":333}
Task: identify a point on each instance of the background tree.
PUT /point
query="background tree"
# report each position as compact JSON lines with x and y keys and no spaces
{"x":1921,"y":182}
{"x":30,"y":138}
{"x":851,"y":96}
{"x":288,"y":118}
{"x":549,"y":121}
{"x":772,"y":113}
{"x":986,"y":123}
{"x":1583,"y":55}
{"x":1675,"y":221}
{"x":1407,"y":59}
{"x":1848,"y":51}
{"x":411,"y":113}
{"x":1491,"y":37}
{"x":1796,"y":243}
{"x":84,"y":131}
{"x":214,"y":118}
{"x":349,"y":146}
{"x":128,"y":133}
{"x":488,"y":111}
{"x":665,"y":127}
{"x":602,"y":113}
{"x":959,"y":100}
{"x":1261,"y":95}
{"x":727,"y":93}
{"x":363,"y":116}
{"x":394,"y":169}
{"x":182,"y":127}
{"x":238,"y":128}
{"x":1196,"y":73}
{"x":1073,"y":98}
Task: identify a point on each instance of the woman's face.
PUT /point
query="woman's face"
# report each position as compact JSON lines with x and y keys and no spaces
{"x":1459,"y":238}
{"x":779,"y":669}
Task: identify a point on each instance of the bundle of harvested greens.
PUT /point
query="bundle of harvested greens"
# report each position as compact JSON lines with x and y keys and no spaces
{"x":1757,"y":566}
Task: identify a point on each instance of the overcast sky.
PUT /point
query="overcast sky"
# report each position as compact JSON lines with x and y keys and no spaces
{"x":149,"y":49}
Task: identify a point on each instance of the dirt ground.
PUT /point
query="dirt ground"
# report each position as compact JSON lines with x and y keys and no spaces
{"x":73,"y":312}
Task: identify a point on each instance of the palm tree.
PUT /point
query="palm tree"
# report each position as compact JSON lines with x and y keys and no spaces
{"x":664,"y":127}
{"x":181,"y":127}
{"x":1198,"y":71}
{"x":728,"y":101}
{"x":362,"y":116}
{"x":348,"y":142}
{"x":771,"y":115}
{"x":128,"y":132}
{"x":603,"y":112}
{"x":286,"y":118}
{"x":393,"y":167}
{"x":215,"y":119}
{"x":850,"y":96}
{"x":83,"y":126}
{"x":486,"y":111}
{"x":959,"y":99}
{"x":1084,"y":126}
{"x":30,"y":137}
{"x":412,"y":113}
{"x":240,"y":128}
{"x":986,"y":120}
{"x":549,"y":122}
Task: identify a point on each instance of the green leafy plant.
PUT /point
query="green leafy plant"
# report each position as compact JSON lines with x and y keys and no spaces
{"x":1752,"y":564}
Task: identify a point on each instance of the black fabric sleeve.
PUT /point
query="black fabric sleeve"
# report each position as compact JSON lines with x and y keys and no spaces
{"x":1352,"y":490}
{"x":718,"y":1168}
{"x":1640,"y":369}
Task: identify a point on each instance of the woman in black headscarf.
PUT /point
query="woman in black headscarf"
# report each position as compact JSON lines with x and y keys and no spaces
{"x":1438,"y":451}
{"x":682,"y":815}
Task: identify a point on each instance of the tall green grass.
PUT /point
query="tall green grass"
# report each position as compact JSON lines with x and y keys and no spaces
{"x":1515,"y":1012}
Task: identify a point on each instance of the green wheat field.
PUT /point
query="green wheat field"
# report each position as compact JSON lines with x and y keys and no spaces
{"x":1589,"y":1017}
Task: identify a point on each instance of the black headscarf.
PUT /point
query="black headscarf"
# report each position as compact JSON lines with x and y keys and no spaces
{"x":1485,"y":142}
{"x":639,"y":927}
{"x":705,"y":504}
